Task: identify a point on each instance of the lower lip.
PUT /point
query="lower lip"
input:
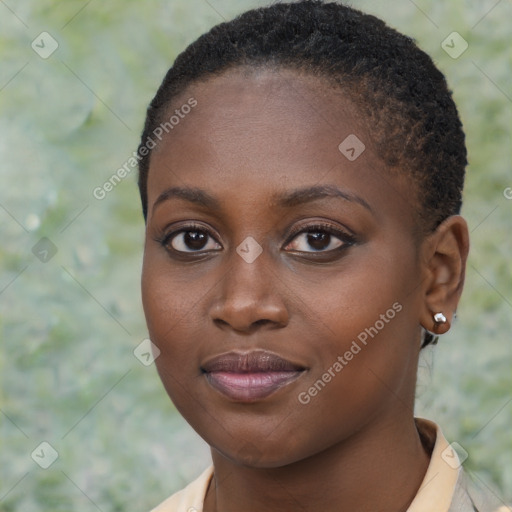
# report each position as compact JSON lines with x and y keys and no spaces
{"x":249,"y":387}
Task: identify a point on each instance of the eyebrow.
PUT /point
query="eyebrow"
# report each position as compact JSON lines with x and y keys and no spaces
{"x":307,"y":194}
{"x":191,"y":194}
{"x":287,"y":200}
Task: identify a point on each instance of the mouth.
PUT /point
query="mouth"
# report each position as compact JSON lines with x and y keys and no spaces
{"x":250,"y":376}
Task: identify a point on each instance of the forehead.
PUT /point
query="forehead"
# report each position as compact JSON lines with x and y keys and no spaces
{"x":255,"y":132}
{"x":266,"y":103}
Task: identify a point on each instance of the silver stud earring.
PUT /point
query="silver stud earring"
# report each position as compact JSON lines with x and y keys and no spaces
{"x":439,"y":318}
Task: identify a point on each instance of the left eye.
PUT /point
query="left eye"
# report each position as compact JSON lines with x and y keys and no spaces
{"x":315,"y":241}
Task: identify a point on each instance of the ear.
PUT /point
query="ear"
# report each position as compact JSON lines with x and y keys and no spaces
{"x":444,"y":259}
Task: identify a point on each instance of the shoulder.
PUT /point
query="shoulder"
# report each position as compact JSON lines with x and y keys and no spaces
{"x":472,"y":495}
{"x":189,"y":499}
{"x":447,"y":486}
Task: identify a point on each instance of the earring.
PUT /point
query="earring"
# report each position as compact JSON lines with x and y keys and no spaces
{"x":439,"y":318}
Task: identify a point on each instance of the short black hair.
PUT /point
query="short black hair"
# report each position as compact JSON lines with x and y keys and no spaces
{"x":405,"y":100}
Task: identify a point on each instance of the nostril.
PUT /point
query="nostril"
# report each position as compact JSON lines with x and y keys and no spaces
{"x":219,"y":322}
{"x":263,"y":321}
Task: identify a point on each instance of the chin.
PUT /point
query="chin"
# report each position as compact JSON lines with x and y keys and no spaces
{"x":261,"y":455}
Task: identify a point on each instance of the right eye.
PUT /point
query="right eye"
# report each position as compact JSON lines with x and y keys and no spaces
{"x":191,"y":239}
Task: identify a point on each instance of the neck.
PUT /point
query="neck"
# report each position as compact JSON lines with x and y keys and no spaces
{"x":379,"y":468}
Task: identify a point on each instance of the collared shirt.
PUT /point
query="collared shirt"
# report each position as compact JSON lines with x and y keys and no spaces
{"x":445,"y":487}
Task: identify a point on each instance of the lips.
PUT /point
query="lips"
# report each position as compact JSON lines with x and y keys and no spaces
{"x":250,"y":376}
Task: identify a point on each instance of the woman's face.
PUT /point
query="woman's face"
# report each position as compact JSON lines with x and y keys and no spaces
{"x":281,"y":281}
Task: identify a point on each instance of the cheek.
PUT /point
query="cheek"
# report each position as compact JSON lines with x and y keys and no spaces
{"x":365,"y":368}
{"x":171,"y":299}
{"x":366,"y":345}
{"x":172,"y":322}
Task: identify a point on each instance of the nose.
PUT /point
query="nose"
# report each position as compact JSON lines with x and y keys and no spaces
{"x":248,"y":297}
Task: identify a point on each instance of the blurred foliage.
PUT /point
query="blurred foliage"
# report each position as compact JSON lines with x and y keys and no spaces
{"x":69,"y":326}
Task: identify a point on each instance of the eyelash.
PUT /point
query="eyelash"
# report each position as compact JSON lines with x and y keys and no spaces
{"x":346,"y":238}
{"x":166,"y":238}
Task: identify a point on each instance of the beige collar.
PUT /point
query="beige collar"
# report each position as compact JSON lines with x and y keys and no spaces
{"x":435,"y":493}
{"x":438,"y":485}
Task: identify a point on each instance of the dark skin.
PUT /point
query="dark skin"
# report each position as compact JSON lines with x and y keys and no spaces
{"x":252,"y":137}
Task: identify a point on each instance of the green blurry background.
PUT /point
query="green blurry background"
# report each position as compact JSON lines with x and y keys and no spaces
{"x":69,"y":325}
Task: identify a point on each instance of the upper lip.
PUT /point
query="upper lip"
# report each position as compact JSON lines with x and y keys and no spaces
{"x":249,"y":362}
